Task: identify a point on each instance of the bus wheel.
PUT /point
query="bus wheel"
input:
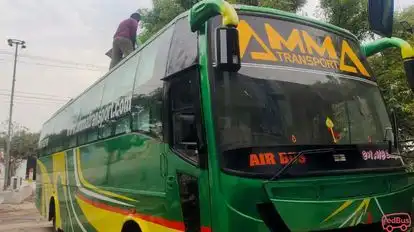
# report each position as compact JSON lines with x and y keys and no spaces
{"x":131,"y":226}
{"x":52,"y":215}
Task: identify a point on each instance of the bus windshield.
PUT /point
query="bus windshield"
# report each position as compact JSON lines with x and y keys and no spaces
{"x":300,"y":87}
{"x":271,"y":105}
{"x":266,"y":115}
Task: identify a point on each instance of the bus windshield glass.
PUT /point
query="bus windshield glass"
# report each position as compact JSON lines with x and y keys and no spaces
{"x":262,"y":106}
{"x":300,"y":87}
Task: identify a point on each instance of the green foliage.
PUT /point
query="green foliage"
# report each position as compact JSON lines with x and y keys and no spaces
{"x":349,"y":14}
{"x":23,"y":144}
{"x":388,"y":67}
{"x":290,"y":6}
{"x":164,"y":11}
{"x":286,"y":5}
{"x":245,"y":2}
{"x":161,"y":14}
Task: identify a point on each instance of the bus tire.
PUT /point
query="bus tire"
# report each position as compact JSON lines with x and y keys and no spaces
{"x":52,"y":211}
{"x":52,"y":215}
{"x":131,"y":226}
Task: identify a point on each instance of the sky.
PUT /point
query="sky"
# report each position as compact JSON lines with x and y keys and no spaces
{"x":66,"y":42}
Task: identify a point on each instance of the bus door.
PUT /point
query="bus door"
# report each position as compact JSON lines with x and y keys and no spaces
{"x":186,"y":180}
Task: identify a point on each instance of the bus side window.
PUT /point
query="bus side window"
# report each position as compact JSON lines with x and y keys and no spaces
{"x":182,"y":114}
{"x":82,"y":138}
{"x":92,"y":135}
{"x":72,"y":141}
{"x":105,"y":130}
{"x":123,"y":125}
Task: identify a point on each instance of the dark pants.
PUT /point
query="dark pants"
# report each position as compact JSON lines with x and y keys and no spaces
{"x":121,"y":47}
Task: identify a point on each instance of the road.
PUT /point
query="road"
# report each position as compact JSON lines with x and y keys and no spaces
{"x":22,"y":218}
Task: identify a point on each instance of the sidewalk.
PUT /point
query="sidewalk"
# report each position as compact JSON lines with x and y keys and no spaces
{"x":22,"y":217}
{"x":19,"y":195}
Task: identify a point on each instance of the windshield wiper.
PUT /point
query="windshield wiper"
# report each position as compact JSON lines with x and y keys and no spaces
{"x":296,"y":157}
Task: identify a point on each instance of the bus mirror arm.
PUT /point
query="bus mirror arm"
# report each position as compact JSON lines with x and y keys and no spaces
{"x":407,"y":53}
{"x":201,"y":12}
{"x":227,"y":43}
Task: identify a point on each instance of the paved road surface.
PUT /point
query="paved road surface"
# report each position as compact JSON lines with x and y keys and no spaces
{"x":22,"y":218}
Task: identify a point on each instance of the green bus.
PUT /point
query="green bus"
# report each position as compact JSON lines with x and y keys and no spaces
{"x":231,"y":118}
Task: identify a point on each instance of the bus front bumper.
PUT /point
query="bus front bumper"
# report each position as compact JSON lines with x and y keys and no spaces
{"x":334,"y":203}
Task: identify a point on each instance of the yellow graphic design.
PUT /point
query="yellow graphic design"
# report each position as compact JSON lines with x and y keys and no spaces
{"x":356,"y":216}
{"x":276,"y":40}
{"x":92,"y":187}
{"x":246,"y":33}
{"x":327,"y":46}
{"x":347,"y":52}
{"x":105,"y":220}
{"x":342,"y":207}
{"x":299,"y":47}
{"x":330,"y":126}
{"x":46,"y":189}
{"x":293,"y":138}
{"x":59,"y":174}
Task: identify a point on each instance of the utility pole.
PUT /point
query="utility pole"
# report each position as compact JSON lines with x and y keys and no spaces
{"x":16,"y":43}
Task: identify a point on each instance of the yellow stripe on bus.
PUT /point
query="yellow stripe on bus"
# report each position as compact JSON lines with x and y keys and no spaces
{"x":46,"y":184}
{"x":106,"y":220}
{"x":59,"y":171}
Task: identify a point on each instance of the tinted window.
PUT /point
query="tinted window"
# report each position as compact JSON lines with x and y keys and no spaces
{"x":47,"y":129}
{"x":260,"y":106}
{"x":104,"y":109}
{"x":73,"y":112}
{"x":92,"y":135}
{"x":91,"y":100}
{"x":120,"y":82}
{"x":105,"y":131}
{"x":123,"y":125}
{"x":148,"y":91}
{"x":183,"y":51}
{"x":182,"y":95}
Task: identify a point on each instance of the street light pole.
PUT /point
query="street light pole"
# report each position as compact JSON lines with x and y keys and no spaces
{"x":17,"y":43}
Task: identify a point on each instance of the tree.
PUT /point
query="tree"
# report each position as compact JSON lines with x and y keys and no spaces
{"x":290,"y":6}
{"x":393,"y":85}
{"x":164,"y":11}
{"x":23,"y":144}
{"x":349,"y":14}
{"x":392,"y":79}
{"x":387,"y":65}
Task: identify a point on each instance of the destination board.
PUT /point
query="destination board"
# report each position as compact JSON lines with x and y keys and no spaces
{"x":271,"y":41}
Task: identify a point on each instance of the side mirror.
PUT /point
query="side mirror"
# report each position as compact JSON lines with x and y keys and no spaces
{"x":380,"y":15}
{"x":409,"y":72}
{"x":227,"y":49}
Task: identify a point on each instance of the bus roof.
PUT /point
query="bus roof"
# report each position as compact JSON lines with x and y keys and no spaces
{"x":182,"y":15}
{"x":242,"y":8}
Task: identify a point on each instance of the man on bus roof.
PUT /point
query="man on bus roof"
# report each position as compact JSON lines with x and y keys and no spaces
{"x":124,"y":38}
